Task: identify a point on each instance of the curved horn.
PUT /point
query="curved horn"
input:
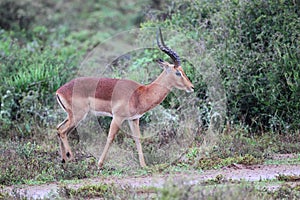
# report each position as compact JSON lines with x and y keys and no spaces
{"x":166,"y":49}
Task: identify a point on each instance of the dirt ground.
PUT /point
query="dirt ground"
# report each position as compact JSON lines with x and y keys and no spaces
{"x":233,"y":172}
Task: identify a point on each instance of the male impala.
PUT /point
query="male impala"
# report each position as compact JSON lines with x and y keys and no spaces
{"x":120,"y":99}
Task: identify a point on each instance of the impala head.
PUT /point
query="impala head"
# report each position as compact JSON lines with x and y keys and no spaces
{"x":174,"y":71}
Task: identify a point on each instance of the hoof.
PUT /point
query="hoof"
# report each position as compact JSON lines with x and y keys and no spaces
{"x":100,"y":165}
{"x":68,"y":154}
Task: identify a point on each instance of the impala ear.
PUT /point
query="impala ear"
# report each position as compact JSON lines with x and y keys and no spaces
{"x":161,"y":63}
{"x":164,"y":65}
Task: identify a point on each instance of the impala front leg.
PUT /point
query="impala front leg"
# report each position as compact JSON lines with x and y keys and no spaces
{"x":135,"y":129}
{"x":113,"y":130}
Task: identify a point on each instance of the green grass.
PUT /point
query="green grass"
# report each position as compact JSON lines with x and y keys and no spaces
{"x":88,"y":191}
{"x":295,"y":160}
{"x":32,"y":163}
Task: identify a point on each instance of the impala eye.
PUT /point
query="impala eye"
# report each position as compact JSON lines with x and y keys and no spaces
{"x":178,"y":73}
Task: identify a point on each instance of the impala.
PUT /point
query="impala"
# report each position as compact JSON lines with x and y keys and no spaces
{"x":120,"y":99}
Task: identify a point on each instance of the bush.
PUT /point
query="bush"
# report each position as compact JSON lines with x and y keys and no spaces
{"x":267,"y":65}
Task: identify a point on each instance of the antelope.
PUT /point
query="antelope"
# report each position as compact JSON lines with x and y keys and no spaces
{"x":120,"y":99}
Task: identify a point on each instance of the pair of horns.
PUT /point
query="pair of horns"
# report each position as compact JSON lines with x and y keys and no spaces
{"x":173,"y":55}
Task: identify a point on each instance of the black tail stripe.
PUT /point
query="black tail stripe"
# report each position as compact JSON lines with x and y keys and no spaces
{"x":60,"y":102}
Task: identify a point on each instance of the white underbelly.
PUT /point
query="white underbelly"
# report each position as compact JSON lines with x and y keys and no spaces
{"x":134,"y":117}
{"x":100,"y":113}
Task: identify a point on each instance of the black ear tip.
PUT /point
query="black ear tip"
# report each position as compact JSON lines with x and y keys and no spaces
{"x":159,"y":60}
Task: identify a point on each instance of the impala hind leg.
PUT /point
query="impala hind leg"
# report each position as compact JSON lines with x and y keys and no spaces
{"x":63,"y":130}
{"x":113,"y":130}
{"x":61,"y":145}
{"x":135,"y":129}
{"x":67,"y":126}
{"x":62,"y":150}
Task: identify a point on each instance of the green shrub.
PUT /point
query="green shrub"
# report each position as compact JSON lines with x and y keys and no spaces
{"x":267,"y":64}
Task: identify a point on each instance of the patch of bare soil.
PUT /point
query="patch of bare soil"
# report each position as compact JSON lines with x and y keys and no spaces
{"x":233,"y":172}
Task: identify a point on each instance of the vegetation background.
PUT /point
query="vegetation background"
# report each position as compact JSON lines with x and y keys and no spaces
{"x":253,"y":44}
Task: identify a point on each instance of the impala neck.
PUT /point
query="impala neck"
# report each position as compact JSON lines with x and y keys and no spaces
{"x":154,"y":93}
{"x":161,"y":86}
